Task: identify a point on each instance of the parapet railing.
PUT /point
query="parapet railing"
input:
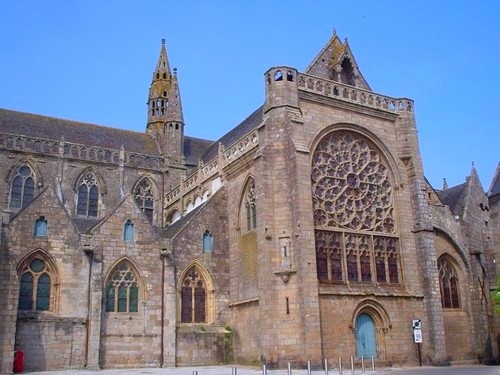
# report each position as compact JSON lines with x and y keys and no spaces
{"x":71,"y":150}
{"x":352,"y":94}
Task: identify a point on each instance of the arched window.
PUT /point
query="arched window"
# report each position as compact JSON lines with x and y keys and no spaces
{"x":207,"y":242}
{"x":122,"y":290}
{"x":353,"y":211}
{"x":144,"y":198}
{"x":251,"y":212}
{"x":128,"y":231}
{"x":448,"y":283}
{"x":41,"y":227}
{"x":193,"y":298}
{"x":22,"y":190}
{"x":35,"y":286}
{"x":88,"y":196}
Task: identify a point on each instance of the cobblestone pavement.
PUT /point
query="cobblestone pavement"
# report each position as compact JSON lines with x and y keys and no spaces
{"x":227,"y":370}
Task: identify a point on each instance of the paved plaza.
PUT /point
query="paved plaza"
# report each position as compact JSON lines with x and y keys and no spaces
{"x":228,"y":370}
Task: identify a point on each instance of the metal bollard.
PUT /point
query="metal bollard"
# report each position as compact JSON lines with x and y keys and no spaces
{"x":234,"y":371}
{"x":289,"y":369}
{"x":326,"y":366}
{"x":340,"y":365}
{"x":352,"y":366}
{"x":195,"y":372}
{"x":362,"y":364}
{"x":308,"y":367}
{"x":373,"y":364}
{"x":264,"y":370}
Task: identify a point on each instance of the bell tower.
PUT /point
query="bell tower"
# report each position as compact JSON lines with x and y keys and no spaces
{"x":165,"y":118}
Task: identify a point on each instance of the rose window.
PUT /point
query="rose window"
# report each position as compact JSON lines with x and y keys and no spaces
{"x":351,"y":185}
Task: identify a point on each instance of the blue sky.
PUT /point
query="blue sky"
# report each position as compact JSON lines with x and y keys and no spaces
{"x":93,"y":61}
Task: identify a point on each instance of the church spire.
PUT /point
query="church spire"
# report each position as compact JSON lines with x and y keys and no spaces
{"x":165,"y":117}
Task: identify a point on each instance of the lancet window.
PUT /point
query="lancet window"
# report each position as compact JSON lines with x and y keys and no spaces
{"x":355,"y":231}
{"x":144,"y":198}
{"x":88,"y":196}
{"x":251,"y":212}
{"x":448,"y":283}
{"x":193,"y":298}
{"x":22,"y":189}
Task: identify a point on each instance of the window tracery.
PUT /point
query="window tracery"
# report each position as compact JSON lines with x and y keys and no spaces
{"x":22,"y":189}
{"x":88,"y":196}
{"x":250,"y":206}
{"x":144,"y":198}
{"x":122,"y":290}
{"x":448,"y":283}
{"x":352,"y":193}
{"x":193,"y":298}
{"x":35,"y":288}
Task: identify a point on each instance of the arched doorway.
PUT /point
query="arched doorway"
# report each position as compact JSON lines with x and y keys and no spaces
{"x":365,"y":336}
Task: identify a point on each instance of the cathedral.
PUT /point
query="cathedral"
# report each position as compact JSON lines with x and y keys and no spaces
{"x":308,"y":231}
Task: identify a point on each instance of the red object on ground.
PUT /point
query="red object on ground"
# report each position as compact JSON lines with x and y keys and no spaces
{"x":18,"y":361}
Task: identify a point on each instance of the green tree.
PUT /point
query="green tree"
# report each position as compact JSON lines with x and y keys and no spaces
{"x":495,"y":296}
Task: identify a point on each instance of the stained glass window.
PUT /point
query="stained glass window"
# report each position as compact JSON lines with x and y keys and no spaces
{"x":193,"y":298}
{"x":35,"y":286}
{"x":448,"y":282}
{"x":122,"y":293}
{"x":353,"y":203}
{"x":144,"y":198}
{"x":22,"y":189}
{"x":88,"y":197}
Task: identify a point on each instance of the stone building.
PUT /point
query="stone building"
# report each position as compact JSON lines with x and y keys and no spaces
{"x":306,"y":232}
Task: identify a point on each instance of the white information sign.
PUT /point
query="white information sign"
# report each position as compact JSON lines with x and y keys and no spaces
{"x":417,"y":336}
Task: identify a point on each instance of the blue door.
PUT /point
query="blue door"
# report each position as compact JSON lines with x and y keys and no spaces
{"x":365,"y":336}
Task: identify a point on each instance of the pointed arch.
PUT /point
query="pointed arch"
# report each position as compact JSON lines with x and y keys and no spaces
{"x":449,"y":282}
{"x":195,"y":293}
{"x":353,"y":192}
{"x":24,"y":180}
{"x":247,"y":208}
{"x":145,"y":193}
{"x":89,"y":186}
{"x":369,"y":323}
{"x":124,"y":287}
{"x":38,"y":281}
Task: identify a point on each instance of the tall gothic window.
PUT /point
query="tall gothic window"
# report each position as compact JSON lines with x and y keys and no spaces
{"x":122,"y":290}
{"x":448,"y":283}
{"x":144,"y":198}
{"x":356,"y":238}
{"x":88,"y":196}
{"x":193,"y":298}
{"x":22,"y":190}
{"x":251,"y":213}
{"x":35,"y":286}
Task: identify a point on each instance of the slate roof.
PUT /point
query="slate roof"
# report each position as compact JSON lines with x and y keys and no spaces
{"x":454,"y":198}
{"x":84,"y":224}
{"x":495,"y":184}
{"x":194,"y":148}
{"x":174,"y":228}
{"x":250,"y":123}
{"x":76,"y":132}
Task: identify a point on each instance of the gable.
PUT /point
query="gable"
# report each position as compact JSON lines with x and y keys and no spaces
{"x":336,"y":62}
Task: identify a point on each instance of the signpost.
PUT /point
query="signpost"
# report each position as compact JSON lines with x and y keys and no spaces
{"x":417,"y":336}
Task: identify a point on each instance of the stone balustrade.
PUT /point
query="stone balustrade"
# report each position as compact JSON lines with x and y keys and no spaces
{"x":78,"y":151}
{"x":353,"y":94}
